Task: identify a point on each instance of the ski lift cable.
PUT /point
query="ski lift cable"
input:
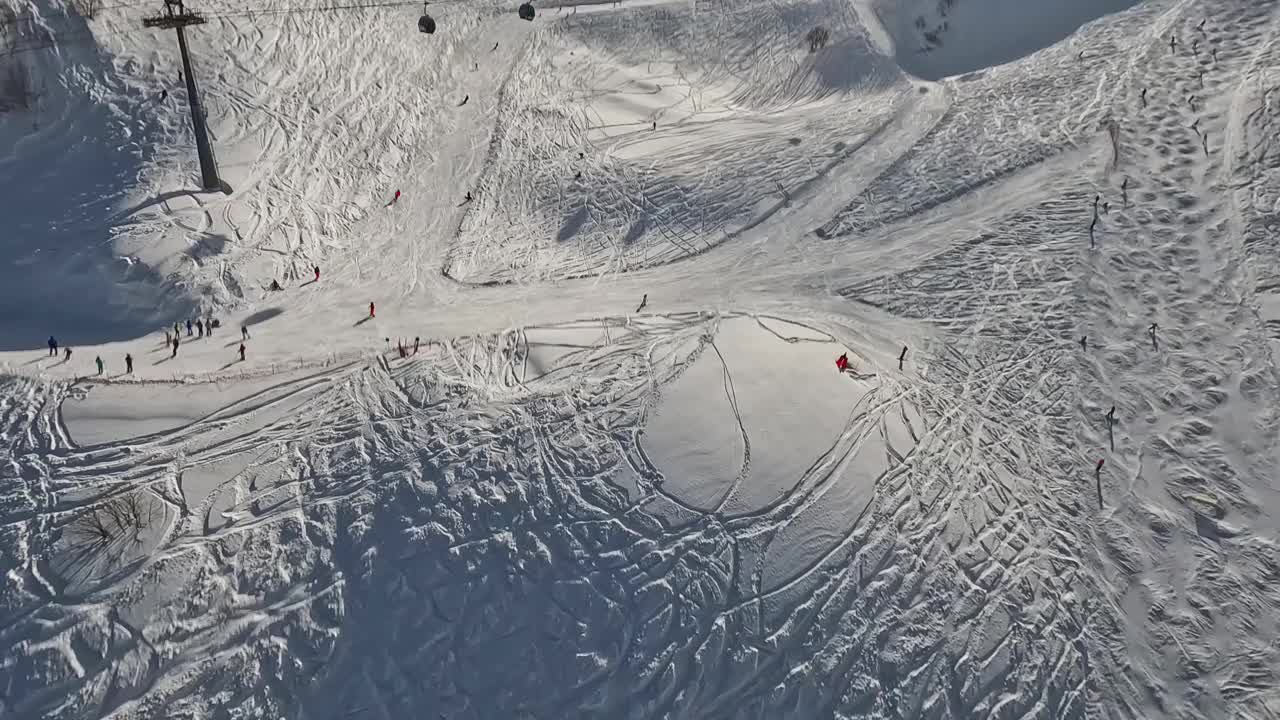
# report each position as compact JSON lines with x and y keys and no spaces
{"x":83,"y":35}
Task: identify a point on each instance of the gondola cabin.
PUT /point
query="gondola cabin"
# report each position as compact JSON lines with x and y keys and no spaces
{"x":526,"y":11}
{"x":426,"y":24}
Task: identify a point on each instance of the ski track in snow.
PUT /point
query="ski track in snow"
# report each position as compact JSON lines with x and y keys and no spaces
{"x":562,"y":506}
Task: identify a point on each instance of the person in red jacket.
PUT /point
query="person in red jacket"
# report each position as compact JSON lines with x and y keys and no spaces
{"x":371,"y":313}
{"x":842,"y":362}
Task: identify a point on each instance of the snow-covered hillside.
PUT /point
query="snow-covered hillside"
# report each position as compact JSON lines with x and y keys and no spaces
{"x":615,"y":472}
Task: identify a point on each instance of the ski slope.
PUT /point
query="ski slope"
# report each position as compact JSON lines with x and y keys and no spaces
{"x":616,"y":473}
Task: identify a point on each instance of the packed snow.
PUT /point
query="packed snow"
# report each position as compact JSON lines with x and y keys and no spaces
{"x":542,"y":418}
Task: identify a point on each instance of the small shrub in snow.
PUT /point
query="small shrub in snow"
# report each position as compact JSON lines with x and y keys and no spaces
{"x":122,"y":518}
{"x":818,"y":38}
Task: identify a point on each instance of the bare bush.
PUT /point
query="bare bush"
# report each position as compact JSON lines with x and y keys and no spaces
{"x":86,"y":8}
{"x":818,"y":38}
{"x":121,"y":518}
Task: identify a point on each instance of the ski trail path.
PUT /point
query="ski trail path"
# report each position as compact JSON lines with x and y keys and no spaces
{"x":1186,"y":534}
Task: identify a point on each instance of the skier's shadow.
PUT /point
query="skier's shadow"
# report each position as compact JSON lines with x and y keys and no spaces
{"x":309,"y":282}
{"x":233,"y":343}
{"x":366,"y":319}
{"x":162,"y":360}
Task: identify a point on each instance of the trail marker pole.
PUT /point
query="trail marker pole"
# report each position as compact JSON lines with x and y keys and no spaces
{"x":176,"y":17}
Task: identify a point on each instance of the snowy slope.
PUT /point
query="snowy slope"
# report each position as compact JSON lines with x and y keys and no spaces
{"x":617,"y":474}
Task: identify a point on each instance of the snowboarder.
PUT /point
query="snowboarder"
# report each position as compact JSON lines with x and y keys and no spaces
{"x":643,"y":301}
{"x":175,"y":348}
{"x":98,"y":361}
{"x":241,"y":352}
{"x":199,"y":327}
{"x":244,"y":332}
{"x":371,"y":311}
{"x":189,"y":328}
{"x":903,"y":357}
{"x":317,"y":273}
{"x":53,"y":346}
{"x":66,"y":355}
{"x":128,"y":364}
{"x":842,"y":362}
{"x":416,"y":342}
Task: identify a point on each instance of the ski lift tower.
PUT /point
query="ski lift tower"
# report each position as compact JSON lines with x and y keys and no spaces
{"x":176,"y":17}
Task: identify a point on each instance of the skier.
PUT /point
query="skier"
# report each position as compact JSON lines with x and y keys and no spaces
{"x":643,"y":301}
{"x":175,"y":348}
{"x":199,"y":327}
{"x":164,"y":95}
{"x":903,"y":357}
{"x":98,"y":361}
{"x":1124,"y":192}
{"x":209,"y":325}
{"x":1084,"y":343}
{"x":1144,"y":97}
{"x":188,"y":327}
{"x":655,"y":124}
{"x":1097,"y":470}
{"x":416,"y":342}
{"x":1152,"y":332}
{"x":53,"y":346}
{"x":317,"y":273}
{"x":128,"y":364}
{"x":241,"y":352}
{"x":244,"y":332}
{"x":464,"y":100}
{"x":371,"y":311}
{"x":66,"y":356}
{"x":495,"y":47}
{"x":275,"y":286}
{"x":468,"y":198}
{"x":394,"y":198}
{"x":842,"y":362}
{"x":1173,"y":42}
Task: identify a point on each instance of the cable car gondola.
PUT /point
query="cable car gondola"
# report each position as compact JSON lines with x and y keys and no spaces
{"x":526,"y":11}
{"x":426,"y":23}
